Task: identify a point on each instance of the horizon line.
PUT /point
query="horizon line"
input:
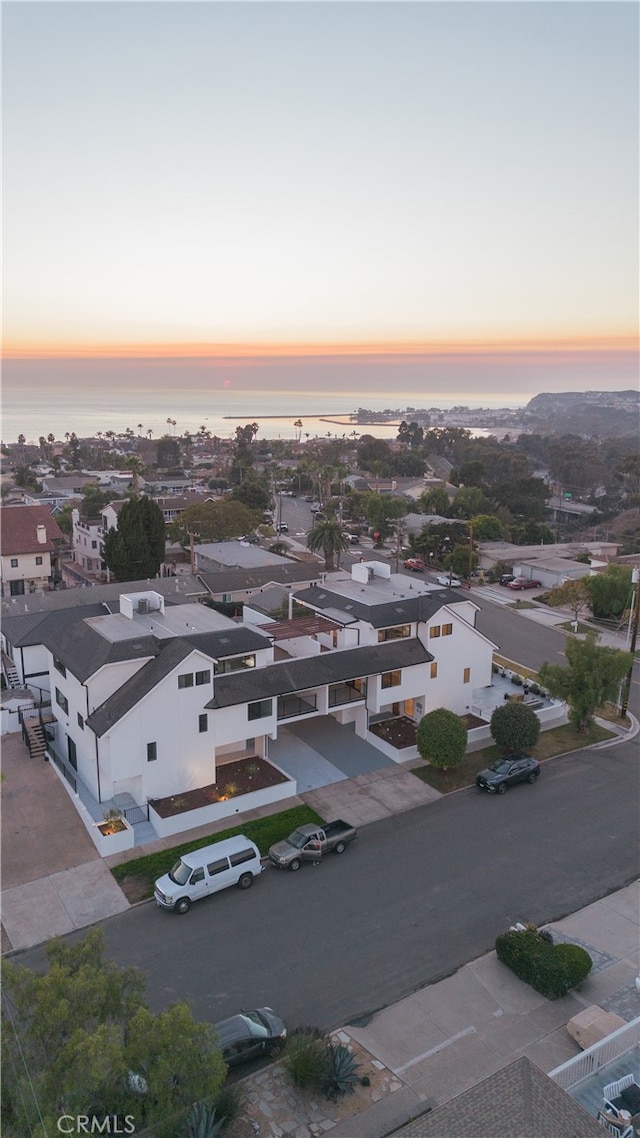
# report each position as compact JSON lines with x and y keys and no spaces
{"x":235,"y":350}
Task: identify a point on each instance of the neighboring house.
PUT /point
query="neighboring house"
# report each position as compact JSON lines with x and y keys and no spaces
{"x":518,"y":1100}
{"x":494,"y":552}
{"x":230,"y":585}
{"x":68,"y":486}
{"x":88,"y":536}
{"x":149,"y":700}
{"x":173,"y":506}
{"x":234,"y":554}
{"x":27,"y":621}
{"x":415,"y":523}
{"x":29,"y":543}
{"x":552,"y":571}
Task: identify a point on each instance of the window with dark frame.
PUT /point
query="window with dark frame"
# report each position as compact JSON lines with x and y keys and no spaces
{"x":38,"y":561}
{"x":203,"y":723}
{"x":80,"y":722}
{"x":152,"y":752}
{"x":59,"y":666}
{"x":203,"y":677}
{"x":391,"y":679}
{"x":185,"y":680}
{"x":261,"y":709}
{"x":447,"y":629}
{"x":62,"y":701}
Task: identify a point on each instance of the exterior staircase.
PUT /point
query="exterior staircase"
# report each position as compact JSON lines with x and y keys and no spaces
{"x":34,"y":732}
{"x":10,"y":674}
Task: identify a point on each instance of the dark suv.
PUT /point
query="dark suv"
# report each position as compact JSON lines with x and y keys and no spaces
{"x":251,"y":1034}
{"x":506,"y":772}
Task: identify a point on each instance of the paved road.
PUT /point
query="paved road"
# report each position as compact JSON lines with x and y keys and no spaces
{"x":415,"y":897}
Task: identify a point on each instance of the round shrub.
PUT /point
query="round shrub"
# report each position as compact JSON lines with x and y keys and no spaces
{"x":441,"y":738}
{"x":515,"y":726}
{"x":551,"y":969}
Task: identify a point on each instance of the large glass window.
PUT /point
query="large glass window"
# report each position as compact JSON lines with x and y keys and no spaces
{"x":447,"y":629}
{"x":391,"y":679}
{"x":261,"y":709}
{"x":238,"y":662}
{"x":203,"y":723}
{"x":72,"y":752}
{"x":62,"y":701}
{"x":185,"y":680}
{"x":434,"y":631}
{"x":203,"y":678}
{"x":398,"y":632}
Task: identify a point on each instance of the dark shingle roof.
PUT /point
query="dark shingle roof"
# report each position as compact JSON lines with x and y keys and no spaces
{"x":518,"y":1101}
{"x":169,"y":653}
{"x":33,"y":627}
{"x":400,"y":610}
{"x":232,"y":580}
{"x":314,"y":671}
{"x":84,"y":651}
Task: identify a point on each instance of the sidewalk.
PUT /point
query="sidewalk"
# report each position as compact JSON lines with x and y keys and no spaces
{"x":446,"y":1037}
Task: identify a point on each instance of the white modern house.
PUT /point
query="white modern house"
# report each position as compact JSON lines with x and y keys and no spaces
{"x":150,"y":699}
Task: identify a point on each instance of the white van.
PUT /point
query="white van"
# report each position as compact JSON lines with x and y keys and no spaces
{"x":234,"y":861}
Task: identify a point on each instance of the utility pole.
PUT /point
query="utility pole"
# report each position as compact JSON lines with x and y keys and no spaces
{"x":470,"y":552}
{"x":632,"y":647}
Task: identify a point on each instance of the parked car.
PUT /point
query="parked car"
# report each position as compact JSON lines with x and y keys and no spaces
{"x":232,"y":861}
{"x":251,"y":538}
{"x":506,"y":579}
{"x":506,"y":772}
{"x":524,"y":583}
{"x":451,"y":582}
{"x":309,"y":498}
{"x":315,"y":507}
{"x":353,"y":538}
{"x":251,"y":1034}
{"x":415,"y":564}
{"x":310,"y":843}
{"x":282,"y":527}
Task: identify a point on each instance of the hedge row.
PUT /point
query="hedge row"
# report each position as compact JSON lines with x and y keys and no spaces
{"x":551,"y":969}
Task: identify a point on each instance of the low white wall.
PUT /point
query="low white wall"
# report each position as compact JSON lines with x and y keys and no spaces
{"x":113,"y":843}
{"x":189,"y":819}
{"x":391,"y":752}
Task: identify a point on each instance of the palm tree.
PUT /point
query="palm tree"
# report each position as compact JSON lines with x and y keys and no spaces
{"x":298,"y":426}
{"x":327,"y":536}
{"x":140,"y":426}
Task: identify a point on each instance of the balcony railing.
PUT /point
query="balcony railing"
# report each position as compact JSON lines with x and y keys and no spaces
{"x":582,"y":1066}
{"x":346,"y":693}
{"x":292,"y":705}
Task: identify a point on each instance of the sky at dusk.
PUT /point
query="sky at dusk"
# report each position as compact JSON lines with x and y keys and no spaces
{"x":445,"y":189}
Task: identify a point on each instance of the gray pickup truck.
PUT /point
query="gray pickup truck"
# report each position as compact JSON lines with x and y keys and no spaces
{"x":310,"y":843}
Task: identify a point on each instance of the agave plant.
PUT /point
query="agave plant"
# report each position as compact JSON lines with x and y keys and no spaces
{"x":201,"y":1122}
{"x":342,"y":1071}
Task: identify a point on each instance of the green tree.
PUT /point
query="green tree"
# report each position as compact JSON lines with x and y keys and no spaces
{"x":381,"y":511}
{"x":531,"y":533}
{"x":372,"y":451}
{"x":411,"y":434}
{"x":72,"y":1036}
{"x":434,"y":501}
{"x":461,"y":560}
{"x":253,"y":491}
{"x":168,"y":453}
{"x":135,"y":549}
{"x":469,"y":502}
{"x":214,"y":521}
{"x":486,"y":527}
{"x":591,"y":677}
{"x":610,"y":592}
{"x":327,"y":537}
{"x":514,"y":726}
{"x":26,"y":478}
{"x":441,"y":738}
{"x":573,"y":594}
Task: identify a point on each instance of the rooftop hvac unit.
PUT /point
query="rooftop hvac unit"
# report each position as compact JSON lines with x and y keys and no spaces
{"x":143,"y":605}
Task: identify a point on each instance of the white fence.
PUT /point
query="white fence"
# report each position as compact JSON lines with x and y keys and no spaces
{"x":594,"y":1058}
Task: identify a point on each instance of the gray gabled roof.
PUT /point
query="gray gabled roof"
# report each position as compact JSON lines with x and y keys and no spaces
{"x":169,"y":653}
{"x":518,"y":1101}
{"x":400,"y":610}
{"x":295,"y":675}
{"x":232,"y":580}
{"x":83,"y":651}
{"x":33,"y":627}
{"x":183,"y":589}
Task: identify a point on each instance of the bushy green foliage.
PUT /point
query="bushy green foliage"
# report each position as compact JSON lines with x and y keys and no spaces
{"x":551,"y":969}
{"x":203,"y":1122}
{"x":441,"y":738}
{"x":229,"y":1102}
{"x":515,"y":726}
{"x":591,"y":677}
{"x":135,"y":549}
{"x":305,"y":1059}
{"x":610,"y":592}
{"x":73,"y":1035}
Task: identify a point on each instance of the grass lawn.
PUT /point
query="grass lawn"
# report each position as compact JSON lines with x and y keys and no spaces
{"x":554,"y":742}
{"x":513,"y":666}
{"x":137,"y":877}
{"x":523,"y":605}
{"x":567,"y":626}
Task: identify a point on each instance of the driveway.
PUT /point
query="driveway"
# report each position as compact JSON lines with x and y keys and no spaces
{"x":318,"y":752}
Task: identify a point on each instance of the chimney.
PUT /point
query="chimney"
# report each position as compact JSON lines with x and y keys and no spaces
{"x":41,"y":534}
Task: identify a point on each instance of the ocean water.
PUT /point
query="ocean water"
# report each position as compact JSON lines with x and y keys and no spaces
{"x":38,"y":410}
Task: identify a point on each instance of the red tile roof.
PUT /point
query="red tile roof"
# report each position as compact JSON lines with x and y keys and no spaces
{"x":19,"y":530}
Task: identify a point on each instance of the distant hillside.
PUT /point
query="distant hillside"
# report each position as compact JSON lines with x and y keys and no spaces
{"x":593,"y":413}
